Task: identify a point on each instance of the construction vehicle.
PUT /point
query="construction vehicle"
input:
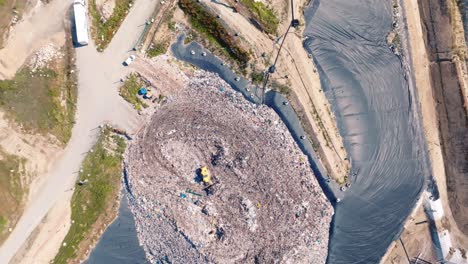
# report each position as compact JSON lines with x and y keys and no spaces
{"x":206,"y":175}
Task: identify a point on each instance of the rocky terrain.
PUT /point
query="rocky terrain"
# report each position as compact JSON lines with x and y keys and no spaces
{"x":263,"y":203}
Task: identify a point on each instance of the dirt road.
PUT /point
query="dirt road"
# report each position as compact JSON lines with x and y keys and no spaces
{"x":47,"y":20}
{"x":98,"y":102}
{"x":452,"y":119}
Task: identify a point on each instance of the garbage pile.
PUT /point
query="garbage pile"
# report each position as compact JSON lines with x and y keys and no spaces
{"x":260,"y":202}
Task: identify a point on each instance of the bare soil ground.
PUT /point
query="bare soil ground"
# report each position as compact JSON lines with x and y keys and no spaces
{"x":453,"y":121}
{"x":263,"y":202}
{"x":415,"y":241}
{"x":11,"y":12}
{"x":49,"y":27}
{"x":34,"y":155}
{"x":105,"y":7}
{"x":44,"y":242}
{"x":37,"y":104}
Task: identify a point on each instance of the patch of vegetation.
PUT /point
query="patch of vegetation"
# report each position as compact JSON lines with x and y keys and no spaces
{"x":281,"y":88}
{"x":457,"y":11}
{"x":3,"y":223}
{"x":42,"y":101}
{"x":93,"y":201}
{"x":104,"y":30}
{"x":190,"y":37}
{"x":11,"y":191}
{"x":265,"y":15}
{"x":172,"y":26}
{"x":396,"y":41}
{"x":157,"y":49}
{"x":209,"y":26}
{"x":256,"y":77}
{"x":129,"y":91}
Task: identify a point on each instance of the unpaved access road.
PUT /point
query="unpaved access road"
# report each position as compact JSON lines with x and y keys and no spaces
{"x":45,"y":24}
{"x":451,"y":116}
{"x":98,"y":103}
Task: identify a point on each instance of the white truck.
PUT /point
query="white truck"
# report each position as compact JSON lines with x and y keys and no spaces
{"x":81,"y":23}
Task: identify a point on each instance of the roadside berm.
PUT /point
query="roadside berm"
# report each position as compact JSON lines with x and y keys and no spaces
{"x":261,"y":203}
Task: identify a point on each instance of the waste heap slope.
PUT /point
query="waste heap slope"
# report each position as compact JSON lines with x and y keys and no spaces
{"x":262,"y":204}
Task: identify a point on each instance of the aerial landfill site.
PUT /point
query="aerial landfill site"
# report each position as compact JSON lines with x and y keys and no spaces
{"x":214,"y":178}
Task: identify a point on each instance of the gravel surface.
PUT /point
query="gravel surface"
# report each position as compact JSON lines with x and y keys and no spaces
{"x":263,"y":204}
{"x":45,"y":55}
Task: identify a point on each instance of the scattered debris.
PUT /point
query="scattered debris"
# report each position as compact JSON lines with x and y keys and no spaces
{"x":260,"y":185}
{"x":43,"y":56}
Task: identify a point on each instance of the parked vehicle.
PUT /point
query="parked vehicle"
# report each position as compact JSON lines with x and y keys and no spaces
{"x":81,"y":23}
{"x":129,"y":60}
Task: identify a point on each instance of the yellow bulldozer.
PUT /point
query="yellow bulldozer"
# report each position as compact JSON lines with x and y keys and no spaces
{"x":206,"y":175}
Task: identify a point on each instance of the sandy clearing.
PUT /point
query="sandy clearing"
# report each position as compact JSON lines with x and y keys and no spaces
{"x":44,"y":242}
{"x":40,"y":152}
{"x":416,"y":238}
{"x":304,"y":81}
{"x":98,"y":102}
{"x":105,"y":7}
{"x":47,"y":22}
{"x":420,"y":66}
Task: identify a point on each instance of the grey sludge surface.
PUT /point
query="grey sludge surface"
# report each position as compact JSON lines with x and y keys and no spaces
{"x":364,"y":81}
{"x":119,"y":243}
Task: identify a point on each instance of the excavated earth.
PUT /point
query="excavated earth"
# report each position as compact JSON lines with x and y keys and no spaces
{"x":453,"y":120}
{"x":263,"y":205}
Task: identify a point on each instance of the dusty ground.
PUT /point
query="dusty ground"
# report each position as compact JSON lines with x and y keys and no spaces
{"x":307,"y":97}
{"x":460,"y":49}
{"x":11,"y":12}
{"x":44,"y":242}
{"x":90,"y":112}
{"x":105,"y":7}
{"x":452,"y":118}
{"x":263,"y":203}
{"x":48,"y":23}
{"x":427,"y":102}
{"x":416,"y":239}
{"x":39,"y":153}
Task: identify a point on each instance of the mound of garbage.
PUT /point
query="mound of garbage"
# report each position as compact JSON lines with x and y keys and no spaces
{"x":216,"y":179}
